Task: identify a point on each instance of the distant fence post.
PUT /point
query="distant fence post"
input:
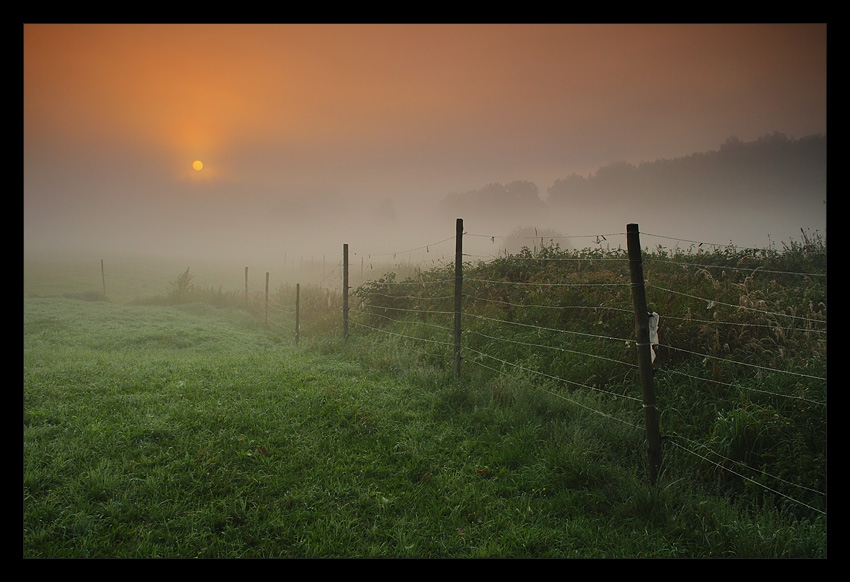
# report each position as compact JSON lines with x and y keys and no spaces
{"x":246,"y":287}
{"x":345,"y":292}
{"x":297,"y":312}
{"x":267,"y":299}
{"x":103,"y":278}
{"x":458,"y":291}
{"x":650,"y":409}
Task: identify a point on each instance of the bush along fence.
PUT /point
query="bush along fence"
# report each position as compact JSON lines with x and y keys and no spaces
{"x":734,"y":338}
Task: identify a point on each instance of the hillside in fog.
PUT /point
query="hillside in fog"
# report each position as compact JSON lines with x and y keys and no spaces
{"x":742,"y":183}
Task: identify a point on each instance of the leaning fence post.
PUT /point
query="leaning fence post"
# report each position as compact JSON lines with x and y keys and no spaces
{"x":345,"y":292}
{"x":458,"y":290}
{"x":650,"y":409}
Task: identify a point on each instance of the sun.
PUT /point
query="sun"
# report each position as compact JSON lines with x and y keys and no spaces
{"x":198,"y":165}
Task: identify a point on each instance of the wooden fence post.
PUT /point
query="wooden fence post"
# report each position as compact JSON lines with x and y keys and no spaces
{"x":458,"y":291}
{"x":650,"y":409}
{"x":246,"y":287}
{"x":267,"y":299}
{"x":103,"y":278}
{"x":297,"y":312}
{"x":345,"y":292}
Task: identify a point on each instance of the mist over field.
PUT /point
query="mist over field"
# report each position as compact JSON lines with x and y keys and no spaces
{"x":379,"y":137}
{"x":748,"y":194}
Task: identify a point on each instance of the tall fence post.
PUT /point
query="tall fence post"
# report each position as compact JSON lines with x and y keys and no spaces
{"x":246,"y":287}
{"x":103,"y":278}
{"x":458,"y":291}
{"x":345,"y":292}
{"x":297,"y":312}
{"x":647,"y":383}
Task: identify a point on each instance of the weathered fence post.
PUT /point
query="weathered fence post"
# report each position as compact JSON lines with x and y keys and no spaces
{"x":103,"y":278}
{"x":650,"y":409}
{"x":345,"y":292}
{"x":458,"y":291}
{"x":297,"y":312}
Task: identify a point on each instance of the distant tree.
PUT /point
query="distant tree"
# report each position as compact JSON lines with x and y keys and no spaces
{"x":566,"y":191}
{"x":614,"y":176}
{"x":731,"y":144}
{"x":497,"y":202}
{"x":523,"y":192}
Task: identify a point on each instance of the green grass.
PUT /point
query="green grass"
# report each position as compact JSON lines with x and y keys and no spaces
{"x":154,"y":430}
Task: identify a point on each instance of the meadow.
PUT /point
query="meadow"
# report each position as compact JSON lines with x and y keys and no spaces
{"x":179,"y":423}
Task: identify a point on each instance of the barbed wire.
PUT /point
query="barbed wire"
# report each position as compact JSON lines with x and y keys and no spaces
{"x":737,"y":363}
{"x":565,"y":381}
{"x":741,"y":387}
{"x":551,"y":329}
{"x":556,"y":348}
{"x":712,"y":302}
{"x":750,"y":479}
{"x":393,"y":333}
{"x":742,"y":324}
{"x":557,"y":259}
{"x":417,"y":297}
{"x":539,"y":284}
{"x":420,"y":283}
{"x":427,"y":248}
{"x":598,"y":236}
{"x":729,"y":268}
{"x":540,"y":306}
{"x":711,"y":244}
{"x":396,"y":320}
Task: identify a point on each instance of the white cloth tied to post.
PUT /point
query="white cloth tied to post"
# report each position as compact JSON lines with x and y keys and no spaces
{"x":653,"y":332}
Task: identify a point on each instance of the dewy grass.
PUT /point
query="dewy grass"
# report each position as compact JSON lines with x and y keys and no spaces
{"x":194,"y":432}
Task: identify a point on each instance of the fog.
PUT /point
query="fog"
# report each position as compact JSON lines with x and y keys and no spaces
{"x":379,"y":137}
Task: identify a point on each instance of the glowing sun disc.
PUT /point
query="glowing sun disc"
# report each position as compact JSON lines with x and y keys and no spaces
{"x":197,"y":164}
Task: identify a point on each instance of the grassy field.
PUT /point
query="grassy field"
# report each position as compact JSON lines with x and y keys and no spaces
{"x":154,"y":429}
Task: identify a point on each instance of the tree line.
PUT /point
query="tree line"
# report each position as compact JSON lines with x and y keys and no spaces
{"x":772,"y":170}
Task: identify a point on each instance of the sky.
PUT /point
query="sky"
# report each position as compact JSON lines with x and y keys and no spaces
{"x":317,"y":135}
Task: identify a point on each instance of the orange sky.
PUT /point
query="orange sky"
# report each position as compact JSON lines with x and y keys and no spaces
{"x":393,"y":110}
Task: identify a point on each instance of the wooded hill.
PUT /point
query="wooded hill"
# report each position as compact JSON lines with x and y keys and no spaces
{"x":771,"y":171}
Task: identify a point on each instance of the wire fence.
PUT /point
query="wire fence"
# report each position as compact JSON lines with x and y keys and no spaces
{"x":738,"y":343}
{"x":749,"y":340}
